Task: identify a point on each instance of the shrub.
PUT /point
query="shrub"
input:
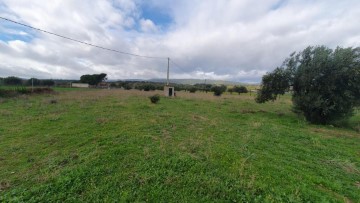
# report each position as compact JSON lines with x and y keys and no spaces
{"x":43,"y":90}
{"x":218,"y":90}
{"x":48,"y":82}
{"x":192,"y":89}
{"x":33,"y":81}
{"x":12,"y":81}
{"x":240,"y":89}
{"x":147,"y":87}
{"x":22,"y":90}
{"x":127,"y":86}
{"x":155,"y":98}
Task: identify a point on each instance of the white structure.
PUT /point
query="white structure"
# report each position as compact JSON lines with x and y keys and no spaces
{"x":81,"y":85}
{"x":169,"y":91}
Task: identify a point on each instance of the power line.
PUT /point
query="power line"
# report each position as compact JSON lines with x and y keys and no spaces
{"x":81,"y":42}
{"x":179,"y":67}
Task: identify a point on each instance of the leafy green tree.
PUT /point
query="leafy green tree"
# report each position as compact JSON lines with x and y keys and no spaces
{"x":218,"y":90}
{"x":127,"y":86}
{"x":48,"y":82}
{"x":274,"y":84}
{"x":93,"y":79}
{"x":148,"y":87}
{"x":231,"y":90}
{"x":240,"y":89}
{"x":326,"y":83}
{"x":192,"y":89}
{"x":33,"y":81}
{"x":12,"y":81}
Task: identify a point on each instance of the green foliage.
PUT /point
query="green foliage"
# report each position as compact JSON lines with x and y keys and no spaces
{"x":192,"y":89}
{"x":33,"y":81}
{"x":22,"y":90}
{"x":326,"y":83}
{"x":12,"y":81}
{"x":218,"y":90}
{"x":93,"y":79}
{"x":148,"y":87}
{"x":48,"y":83}
{"x":155,"y":98}
{"x":127,"y":86}
{"x":240,"y":89}
{"x":274,"y":84}
{"x":203,"y":87}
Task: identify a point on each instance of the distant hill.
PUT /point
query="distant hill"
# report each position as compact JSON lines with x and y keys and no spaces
{"x":197,"y":81}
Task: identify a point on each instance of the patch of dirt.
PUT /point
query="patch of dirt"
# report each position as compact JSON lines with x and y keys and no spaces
{"x":256,"y":124}
{"x":357,"y":184}
{"x":5,"y":113}
{"x":334,"y":194}
{"x":4,"y":185}
{"x":246,"y":111}
{"x":331,"y":133}
{"x":198,"y":117}
{"x":165,"y":133}
{"x":345,"y":165}
{"x":102,"y":120}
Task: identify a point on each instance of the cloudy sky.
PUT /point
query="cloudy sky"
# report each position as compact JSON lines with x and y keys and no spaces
{"x":236,"y":40}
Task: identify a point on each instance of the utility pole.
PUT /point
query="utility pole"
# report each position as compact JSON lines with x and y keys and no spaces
{"x":168,"y":68}
{"x":32,"y":84}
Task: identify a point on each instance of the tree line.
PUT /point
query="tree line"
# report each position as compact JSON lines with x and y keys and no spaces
{"x":16,"y":81}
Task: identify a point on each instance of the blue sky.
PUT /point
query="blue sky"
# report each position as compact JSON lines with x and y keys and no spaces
{"x":157,"y":15}
{"x":237,"y":40}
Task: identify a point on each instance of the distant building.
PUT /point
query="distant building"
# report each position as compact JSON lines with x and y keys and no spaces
{"x":104,"y":85}
{"x":80,"y":85}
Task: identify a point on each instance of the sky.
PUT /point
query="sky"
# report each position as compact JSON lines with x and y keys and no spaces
{"x":235,"y":40}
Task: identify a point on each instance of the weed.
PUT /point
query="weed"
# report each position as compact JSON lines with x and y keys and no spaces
{"x":155,"y":98}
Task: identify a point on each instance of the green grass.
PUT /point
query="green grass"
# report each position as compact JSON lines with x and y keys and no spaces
{"x":114,"y":145}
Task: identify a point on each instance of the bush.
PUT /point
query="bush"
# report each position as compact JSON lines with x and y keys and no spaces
{"x":148,"y":87}
{"x":33,"y":81}
{"x":192,"y":89}
{"x":240,"y":89}
{"x":12,"y":81}
{"x":218,"y":90}
{"x":43,"y":90}
{"x":155,"y":98}
{"x":127,"y":86}
{"x":22,"y":90}
{"x":48,"y":82}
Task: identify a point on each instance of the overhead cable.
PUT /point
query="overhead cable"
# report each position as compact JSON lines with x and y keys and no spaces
{"x":82,"y":42}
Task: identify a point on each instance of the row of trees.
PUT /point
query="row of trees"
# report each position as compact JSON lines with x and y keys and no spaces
{"x":149,"y":86}
{"x":325,"y":83}
{"x":95,"y":79}
{"x":32,"y":81}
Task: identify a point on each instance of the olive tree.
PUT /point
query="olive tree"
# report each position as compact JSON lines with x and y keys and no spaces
{"x":326,"y":83}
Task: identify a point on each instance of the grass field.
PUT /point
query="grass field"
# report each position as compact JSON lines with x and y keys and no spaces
{"x":114,"y":145}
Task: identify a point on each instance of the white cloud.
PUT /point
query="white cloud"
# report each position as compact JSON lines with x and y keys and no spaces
{"x":235,"y":39}
{"x":147,"y":25}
